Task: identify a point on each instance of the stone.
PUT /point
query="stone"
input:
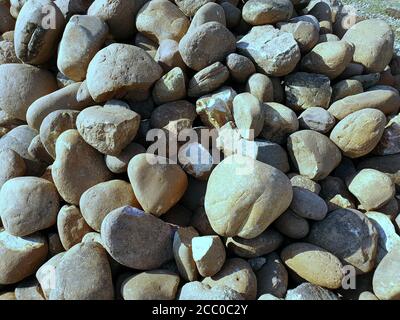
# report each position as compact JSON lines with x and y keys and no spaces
{"x":12,"y":165}
{"x":248,"y":115}
{"x":215,"y":110}
{"x":346,"y":88}
{"x":261,"y":86}
{"x":317,"y":119}
{"x":305,"y":90}
{"x":233,"y":15}
{"x":261,"y":185}
{"x":272,"y":278}
{"x":372,"y":50}
{"x":151,"y":285}
{"x":199,"y":291}
{"x":313,"y":154}
{"x":29,"y":290}
{"x":182,"y":248}
{"x":67,"y":98}
{"x":54,"y":125}
{"x":267,"y":152}
{"x":160,"y":20}
{"x":136,"y":239}
{"x":389,"y":143}
{"x":328,"y":58}
{"x":190,"y":7}
{"x":98,"y":201}
{"x":171,"y":87}
{"x":372,"y":188}
{"x":77,"y":167}
{"x":108,"y":129}
{"x":267,"y":242}
{"x":208,"y":254}
{"x":168,"y":55}
{"x":181,"y":110}
{"x":388,"y":239}
{"x":119,"y":164}
{"x":279,"y":122}
{"x":236,"y":274}
{"x":201,"y":222}
{"x":35,"y":44}
{"x":157,"y":185}
{"x":21,"y":85}
{"x":209,"y":12}
{"x":350,"y":236}
{"x":335,"y":193}
{"x":386,"y":282}
{"x":27,"y":205}
{"x":83,"y":37}
{"x":7,"y":52}
{"x":71,"y":226}
{"x":366,"y":295}
{"x":259,"y":12}
{"x":240,"y":67}
{"x":298,"y":180}
{"x":384,"y":100}
{"x":209,"y":43}
{"x":208,"y":79}
{"x":308,"y":291}
{"x":83,"y":273}
{"x":274,"y":52}
{"x":117,"y":59}
{"x":292,"y":225}
{"x":38,"y":151}
{"x":306,"y":33}
{"x":118,"y":14}
{"x":355,"y":140}
{"x":20,"y":256}
{"x":313,"y":264}
{"x":308,"y":205}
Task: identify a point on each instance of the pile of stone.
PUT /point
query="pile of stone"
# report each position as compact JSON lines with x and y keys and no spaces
{"x":298,"y":195}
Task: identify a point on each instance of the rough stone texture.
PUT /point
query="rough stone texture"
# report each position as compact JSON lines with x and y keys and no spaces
{"x":208,"y":254}
{"x":108,"y":129}
{"x":208,"y":43}
{"x":308,"y":291}
{"x":350,"y":236}
{"x":313,"y":154}
{"x":259,"y":12}
{"x":71,"y":226}
{"x":317,"y":119}
{"x":272,"y":278}
{"x":274,"y":52}
{"x":305,"y":90}
{"x":182,"y":248}
{"x":200,"y":291}
{"x":12,"y":165}
{"x":237,"y":275}
{"x":35,"y":44}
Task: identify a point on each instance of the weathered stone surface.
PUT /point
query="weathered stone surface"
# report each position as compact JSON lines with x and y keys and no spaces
{"x":274,"y":52}
{"x":313,"y":154}
{"x":350,"y":236}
